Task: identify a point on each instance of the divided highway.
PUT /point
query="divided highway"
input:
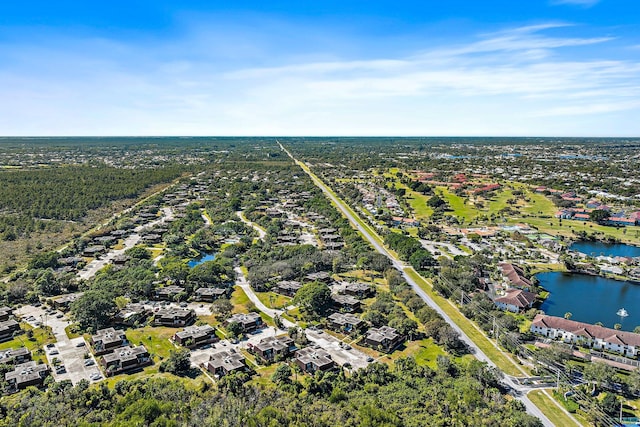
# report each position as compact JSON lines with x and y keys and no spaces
{"x":531,"y":408}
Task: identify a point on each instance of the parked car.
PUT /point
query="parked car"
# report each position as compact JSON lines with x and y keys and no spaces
{"x":80,"y":344}
{"x":95,"y":376}
{"x":61,"y":369}
{"x":89,"y":362}
{"x":54,"y":351}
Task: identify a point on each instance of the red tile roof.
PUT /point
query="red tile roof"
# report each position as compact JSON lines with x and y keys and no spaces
{"x":578,"y":328}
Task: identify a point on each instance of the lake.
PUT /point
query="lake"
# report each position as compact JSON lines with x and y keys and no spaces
{"x":591,"y":299}
{"x":606,"y":249}
{"x":204,"y":257}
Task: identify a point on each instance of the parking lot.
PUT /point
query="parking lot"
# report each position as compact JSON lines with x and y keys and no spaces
{"x":69,"y":352}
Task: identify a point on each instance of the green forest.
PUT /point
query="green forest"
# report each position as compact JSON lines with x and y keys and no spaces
{"x":405,"y":395}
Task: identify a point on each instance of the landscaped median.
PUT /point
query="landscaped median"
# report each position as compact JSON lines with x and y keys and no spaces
{"x":502,"y":360}
{"x":551,"y":409}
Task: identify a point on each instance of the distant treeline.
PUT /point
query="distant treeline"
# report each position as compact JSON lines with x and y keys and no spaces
{"x":69,"y":193}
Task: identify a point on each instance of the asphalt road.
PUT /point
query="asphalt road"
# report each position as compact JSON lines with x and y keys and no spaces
{"x":531,"y":408}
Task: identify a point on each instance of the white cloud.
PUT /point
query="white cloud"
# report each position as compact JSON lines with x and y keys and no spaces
{"x":515,"y":82}
{"x":582,"y":3}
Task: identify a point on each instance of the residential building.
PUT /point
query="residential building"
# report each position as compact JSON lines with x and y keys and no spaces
{"x":587,"y":335}
{"x":174,"y":317}
{"x":249,"y":321}
{"x":225,"y":362}
{"x":288,"y":287}
{"x":312,"y":359}
{"x":196,"y":336}
{"x":131,"y":314}
{"x":125,"y":359}
{"x":25,"y":375}
{"x":5,"y":313}
{"x":7,"y":329}
{"x":92,"y":251}
{"x":515,"y":300}
{"x":384,"y":338}
{"x":108,"y":339}
{"x":516,"y":277}
{"x":357,"y":289}
{"x":62,"y":303}
{"x":320,"y":276}
{"x":345,"y":322}
{"x":169,"y":293}
{"x":11,"y":356}
{"x":345,"y":302}
{"x":273,"y":348}
{"x":209,"y":294}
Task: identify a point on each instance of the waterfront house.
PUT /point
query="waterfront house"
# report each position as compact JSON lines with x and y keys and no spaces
{"x":587,"y":335}
{"x":515,"y":300}
{"x":515,"y":276}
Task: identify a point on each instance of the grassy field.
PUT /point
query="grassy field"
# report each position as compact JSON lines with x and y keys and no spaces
{"x":40,"y":338}
{"x":460,"y":209}
{"x":155,"y":339}
{"x":274,"y":300}
{"x":425,"y":352}
{"x":499,"y":202}
{"x":239,"y":299}
{"x":548,"y":407}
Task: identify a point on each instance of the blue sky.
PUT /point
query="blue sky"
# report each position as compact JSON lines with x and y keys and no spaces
{"x":521,"y":68}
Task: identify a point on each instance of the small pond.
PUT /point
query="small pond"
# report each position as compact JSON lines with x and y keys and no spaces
{"x":591,"y":299}
{"x":204,"y":257}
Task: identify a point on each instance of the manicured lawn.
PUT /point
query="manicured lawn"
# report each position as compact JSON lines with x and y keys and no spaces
{"x":239,"y":299}
{"x":539,"y":204}
{"x":155,"y":339}
{"x":41,"y":337}
{"x":548,"y":407}
{"x":499,"y":201}
{"x":460,"y":208}
{"x":273,"y":300}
